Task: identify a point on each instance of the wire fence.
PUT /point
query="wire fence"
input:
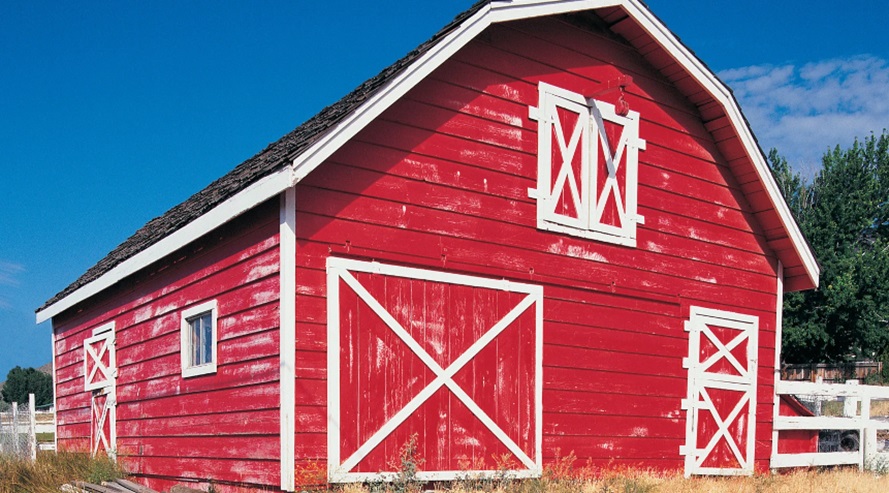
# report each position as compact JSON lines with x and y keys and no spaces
{"x":18,"y":426}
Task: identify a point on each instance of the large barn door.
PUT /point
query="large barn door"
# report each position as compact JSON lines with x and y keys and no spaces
{"x":721,"y":403}
{"x":450,"y":363}
{"x":100,"y":372}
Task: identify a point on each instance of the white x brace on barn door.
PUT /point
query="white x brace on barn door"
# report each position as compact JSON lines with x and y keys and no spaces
{"x":721,"y":403}
{"x":451,"y":363}
{"x":100,"y":373}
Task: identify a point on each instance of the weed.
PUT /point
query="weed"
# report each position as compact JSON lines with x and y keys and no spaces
{"x":311,"y":476}
{"x":406,"y":466}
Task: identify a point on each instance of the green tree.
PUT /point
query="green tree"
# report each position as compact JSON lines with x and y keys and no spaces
{"x":844,"y":214}
{"x":23,"y":381}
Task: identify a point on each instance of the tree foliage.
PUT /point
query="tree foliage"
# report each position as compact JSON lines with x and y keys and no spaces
{"x":844,"y":214}
{"x":23,"y":381}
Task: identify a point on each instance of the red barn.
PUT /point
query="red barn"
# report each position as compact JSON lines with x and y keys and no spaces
{"x":546,"y":230}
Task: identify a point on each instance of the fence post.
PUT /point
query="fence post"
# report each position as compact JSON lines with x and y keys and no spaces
{"x":818,"y":397}
{"x":850,"y":404}
{"x":15,"y":428}
{"x":32,"y":426}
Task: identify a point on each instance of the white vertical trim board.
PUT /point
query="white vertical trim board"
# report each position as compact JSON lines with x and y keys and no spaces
{"x":779,"y":318}
{"x":55,"y":399}
{"x":340,"y":270}
{"x":287,"y":322}
{"x":701,"y":379}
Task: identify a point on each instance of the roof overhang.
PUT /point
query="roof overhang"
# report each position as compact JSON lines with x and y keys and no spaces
{"x":629,"y":18}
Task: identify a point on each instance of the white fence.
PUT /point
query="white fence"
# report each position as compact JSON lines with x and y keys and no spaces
{"x":18,"y":430}
{"x":853,"y":414}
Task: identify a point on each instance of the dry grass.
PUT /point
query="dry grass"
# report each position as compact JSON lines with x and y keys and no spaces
{"x":838,"y":481}
{"x":52,"y":470}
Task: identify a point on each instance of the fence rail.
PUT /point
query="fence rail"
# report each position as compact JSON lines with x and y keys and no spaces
{"x":856,"y":416}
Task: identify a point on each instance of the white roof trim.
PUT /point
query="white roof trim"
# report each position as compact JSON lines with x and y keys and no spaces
{"x":721,"y":93}
{"x":334,"y":138}
{"x":506,"y":10}
{"x":250,"y":197}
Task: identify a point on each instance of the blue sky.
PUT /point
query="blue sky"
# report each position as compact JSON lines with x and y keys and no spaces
{"x":111,"y":112}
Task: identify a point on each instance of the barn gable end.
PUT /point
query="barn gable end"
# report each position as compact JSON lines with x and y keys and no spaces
{"x":459,"y":262}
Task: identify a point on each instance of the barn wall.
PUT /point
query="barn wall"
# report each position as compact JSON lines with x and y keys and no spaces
{"x":441,"y":181}
{"x":223,"y":425}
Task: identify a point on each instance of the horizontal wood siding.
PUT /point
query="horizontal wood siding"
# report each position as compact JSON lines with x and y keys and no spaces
{"x":223,"y":426}
{"x":441,"y":181}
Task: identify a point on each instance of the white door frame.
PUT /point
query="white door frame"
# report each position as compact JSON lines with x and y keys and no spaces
{"x":101,"y":380}
{"x":701,"y":378}
{"x":341,"y":269}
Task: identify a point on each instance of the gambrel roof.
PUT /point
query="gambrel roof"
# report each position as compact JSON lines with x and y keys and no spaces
{"x":285,"y":162}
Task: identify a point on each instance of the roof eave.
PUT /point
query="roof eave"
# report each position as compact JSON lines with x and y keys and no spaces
{"x":264,"y":189}
{"x":494,"y":12}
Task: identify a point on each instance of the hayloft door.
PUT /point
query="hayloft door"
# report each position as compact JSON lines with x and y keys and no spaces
{"x":438,"y":369}
{"x":721,"y":402}
{"x":100,"y":373}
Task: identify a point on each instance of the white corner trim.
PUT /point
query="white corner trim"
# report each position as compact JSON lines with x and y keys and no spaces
{"x":779,"y":321}
{"x":185,"y":343}
{"x":245,"y":200}
{"x":287,"y":322}
{"x":55,"y":399}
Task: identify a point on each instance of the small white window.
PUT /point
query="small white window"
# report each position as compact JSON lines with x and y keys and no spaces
{"x":588,"y":160}
{"x":199,"y":339}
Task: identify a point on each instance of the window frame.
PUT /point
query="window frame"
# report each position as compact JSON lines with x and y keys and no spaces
{"x":186,"y":348}
{"x":587,"y":224}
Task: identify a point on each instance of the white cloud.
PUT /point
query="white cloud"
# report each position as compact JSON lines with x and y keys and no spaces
{"x":805,"y":110}
{"x":9,"y":277}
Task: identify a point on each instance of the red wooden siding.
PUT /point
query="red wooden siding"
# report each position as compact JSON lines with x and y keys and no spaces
{"x":441,"y":181}
{"x":795,"y":441}
{"x":223,"y":426}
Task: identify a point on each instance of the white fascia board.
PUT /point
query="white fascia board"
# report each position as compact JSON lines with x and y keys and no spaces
{"x":250,"y":197}
{"x":390,"y":93}
{"x":504,"y":11}
{"x":497,"y":11}
{"x":721,"y":93}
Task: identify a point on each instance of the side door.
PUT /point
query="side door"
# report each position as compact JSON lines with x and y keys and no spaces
{"x":100,"y":374}
{"x":721,"y":402}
